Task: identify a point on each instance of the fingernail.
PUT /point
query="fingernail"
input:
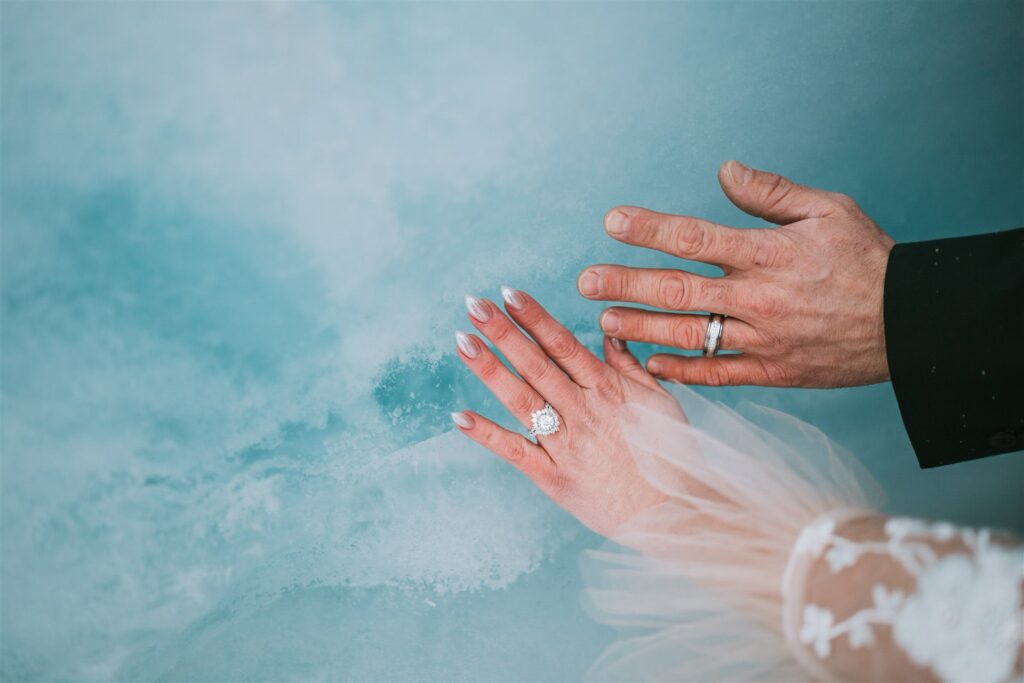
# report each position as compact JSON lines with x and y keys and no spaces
{"x":477,"y":308}
{"x":611,"y":322}
{"x":617,"y":223}
{"x":617,"y":344}
{"x":513,"y":299}
{"x":654,"y":367}
{"x":463,"y":420}
{"x":739,"y":173}
{"x":589,"y":283}
{"x":467,"y":345}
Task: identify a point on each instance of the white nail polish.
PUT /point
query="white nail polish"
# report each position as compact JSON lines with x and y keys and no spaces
{"x":512,"y":297}
{"x":467,"y":344}
{"x":478,"y":309}
{"x":462,"y":420}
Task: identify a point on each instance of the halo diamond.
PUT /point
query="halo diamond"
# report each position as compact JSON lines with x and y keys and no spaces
{"x":545,"y":421}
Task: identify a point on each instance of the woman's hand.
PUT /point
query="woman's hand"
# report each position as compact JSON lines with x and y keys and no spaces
{"x":586,"y":466}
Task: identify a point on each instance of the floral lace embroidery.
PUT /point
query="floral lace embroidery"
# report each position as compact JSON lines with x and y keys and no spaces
{"x":964,"y":621}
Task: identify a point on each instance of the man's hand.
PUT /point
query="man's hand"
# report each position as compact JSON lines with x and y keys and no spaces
{"x":803,"y":300}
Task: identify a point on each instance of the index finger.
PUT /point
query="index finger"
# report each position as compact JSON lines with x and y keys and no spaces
{"x":674,"y":290}
{"x":690,"y":238}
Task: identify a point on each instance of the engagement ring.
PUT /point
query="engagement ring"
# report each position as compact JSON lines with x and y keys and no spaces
{"x":545,"y":421}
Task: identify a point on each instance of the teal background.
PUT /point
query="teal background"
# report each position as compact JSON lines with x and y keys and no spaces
{"x":235,"y":241}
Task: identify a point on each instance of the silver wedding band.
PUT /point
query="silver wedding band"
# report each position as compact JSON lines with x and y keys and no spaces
{"x":713,"y":337}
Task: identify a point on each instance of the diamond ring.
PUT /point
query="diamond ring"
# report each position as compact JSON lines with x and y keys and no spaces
{"x":545,"y":421}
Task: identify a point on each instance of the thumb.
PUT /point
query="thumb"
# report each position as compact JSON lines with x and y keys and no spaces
{"x":617,"y":355}
{"x":772,"y":197}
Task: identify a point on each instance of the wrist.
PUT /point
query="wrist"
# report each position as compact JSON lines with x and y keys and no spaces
{"x":882,"y":359}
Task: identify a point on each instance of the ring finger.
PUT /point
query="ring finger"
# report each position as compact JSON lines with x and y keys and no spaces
{"x":674,"y":329}
{"x":517,"y":396}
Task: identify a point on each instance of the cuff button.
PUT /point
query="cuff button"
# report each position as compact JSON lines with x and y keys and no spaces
{"x":1002,"y":441}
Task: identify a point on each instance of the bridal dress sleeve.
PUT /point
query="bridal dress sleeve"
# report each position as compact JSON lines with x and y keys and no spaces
{"x":769,"y":560}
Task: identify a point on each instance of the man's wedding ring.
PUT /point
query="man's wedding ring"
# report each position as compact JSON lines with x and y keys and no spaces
{"x":545,"y":421}
{"x":713,"y":337}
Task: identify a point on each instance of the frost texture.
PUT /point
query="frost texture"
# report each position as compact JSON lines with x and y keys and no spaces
{"x":235,"y":243}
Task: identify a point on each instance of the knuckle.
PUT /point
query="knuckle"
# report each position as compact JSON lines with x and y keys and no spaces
{"x":515,"y":450}
{"x":644,"y":224}
{"x":692,"y":238}
{"x":522,"y":402}
{"x":686,"y":335}
{"x":769,"y":305}
{"x":563,"y":347}
{"x":716,"y":375}
{"x":639,"y":326}
{"x":616,"y":280}
{"x":635,"y":285}
{"x":713,"y":291}
{"x":536,"y":368}
{"x":672,"y":291}
{"x":531,"y":316}
{"x":501,"y":332}
{"x":490,"y":368}
{"x":774,"y":189}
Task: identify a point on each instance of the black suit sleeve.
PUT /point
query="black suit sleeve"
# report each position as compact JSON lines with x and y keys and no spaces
{"x":954,"y":333}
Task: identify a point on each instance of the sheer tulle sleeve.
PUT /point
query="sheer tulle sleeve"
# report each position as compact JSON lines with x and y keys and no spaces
{"x":770,"y":561}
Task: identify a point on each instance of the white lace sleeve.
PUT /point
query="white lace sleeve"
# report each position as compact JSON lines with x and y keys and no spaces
{"x":770,"y":560}
{"x":876,"y":598}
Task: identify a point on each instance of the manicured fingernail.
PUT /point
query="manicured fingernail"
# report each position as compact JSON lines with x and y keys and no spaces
{"x":739,"y":173}
{"x":589,"y":283}
{"x":611,"y":322}
{"x":478,"y":309}
{"x":654,"y":367}
{"x":617,"y":223}
{"x":463,"y":420}
{"x":513,"y":298}
{"x":617,"y":343}
{"x":467,"y":345}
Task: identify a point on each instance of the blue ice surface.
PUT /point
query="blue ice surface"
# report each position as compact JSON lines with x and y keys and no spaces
{"x":235,"y":241}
